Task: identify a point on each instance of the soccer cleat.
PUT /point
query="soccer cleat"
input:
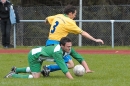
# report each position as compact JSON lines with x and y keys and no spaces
{"x":9,"y":74}
{"x":13,"y":70}
{"x":45,"y":72}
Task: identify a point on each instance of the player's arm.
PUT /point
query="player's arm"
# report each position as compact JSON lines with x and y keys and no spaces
{"x":58,"y":57}
{"x":80,"y":59}
{"x":71,"y":27}
{"x":49,"y":19}
{"x":86,"y":35}
{"x":85,"y":65}
{"x":68,"y":75}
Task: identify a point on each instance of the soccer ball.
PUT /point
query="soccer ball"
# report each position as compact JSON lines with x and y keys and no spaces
{"x":79,"y":70}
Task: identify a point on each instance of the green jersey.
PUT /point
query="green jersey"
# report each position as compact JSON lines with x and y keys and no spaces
{"x":55,"y":52}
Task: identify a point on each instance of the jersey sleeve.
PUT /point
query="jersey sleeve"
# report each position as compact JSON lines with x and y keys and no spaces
{"x":58,"y":57}
{"x":50,"y":19}
{"x":76,"y":56}
{"x":71,"y":27}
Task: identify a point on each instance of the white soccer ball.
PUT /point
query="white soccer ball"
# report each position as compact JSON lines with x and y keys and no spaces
{"x":79,"y":70}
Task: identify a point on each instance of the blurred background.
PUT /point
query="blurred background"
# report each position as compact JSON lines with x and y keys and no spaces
{"x":36,"y":33}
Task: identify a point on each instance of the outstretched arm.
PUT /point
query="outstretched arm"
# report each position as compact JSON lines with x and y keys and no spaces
{"x":86,"y":35}
{"x":68,"y":75}
{"x":86,"y":67}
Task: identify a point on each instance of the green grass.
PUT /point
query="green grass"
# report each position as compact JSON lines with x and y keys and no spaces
{"x":103,"y":47}
{"x":109,"y":70}
{"x":83,"y":47}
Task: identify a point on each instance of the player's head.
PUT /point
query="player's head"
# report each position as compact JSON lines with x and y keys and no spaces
{"x":66,"y":44}
{"x":70,"y":11}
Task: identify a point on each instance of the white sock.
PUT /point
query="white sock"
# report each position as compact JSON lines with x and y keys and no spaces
{"x":28,"y":69}
{"x":30,"y":76}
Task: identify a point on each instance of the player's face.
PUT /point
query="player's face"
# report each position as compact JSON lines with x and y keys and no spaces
{"x":67,"y":47}
{"x":73,"y":15}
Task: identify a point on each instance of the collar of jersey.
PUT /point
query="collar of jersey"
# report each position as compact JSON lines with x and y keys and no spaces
{"x":65,"y":15}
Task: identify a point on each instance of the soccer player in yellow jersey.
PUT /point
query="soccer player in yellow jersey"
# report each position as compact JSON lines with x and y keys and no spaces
{"x":61,"y":26}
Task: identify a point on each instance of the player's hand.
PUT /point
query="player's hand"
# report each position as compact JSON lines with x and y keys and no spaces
{"x":99,"y":40}
{"x":89,"y":71}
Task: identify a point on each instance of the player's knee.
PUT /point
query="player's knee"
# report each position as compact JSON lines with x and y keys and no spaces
{"x":36,"y":75}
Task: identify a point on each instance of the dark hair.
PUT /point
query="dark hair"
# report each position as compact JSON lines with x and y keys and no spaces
{"x":64,"y":40}
{"x":69,"y":8}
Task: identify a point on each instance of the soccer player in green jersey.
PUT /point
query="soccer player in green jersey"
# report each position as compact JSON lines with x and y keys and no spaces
{"x":61,"y":26}
{"x":37,"y":55}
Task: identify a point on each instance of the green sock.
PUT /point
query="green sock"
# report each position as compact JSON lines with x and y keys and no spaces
{"x":21,"y":70}
{"x":20,"y":76}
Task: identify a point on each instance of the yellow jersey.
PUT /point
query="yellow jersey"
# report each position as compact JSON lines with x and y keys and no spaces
{"x":61,"y":26}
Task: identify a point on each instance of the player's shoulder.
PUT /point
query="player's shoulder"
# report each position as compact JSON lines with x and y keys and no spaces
{"x":70,"y":21}
{"x":72,"y":51}
{"x":59,"y":15}
{"x":57,"y":47}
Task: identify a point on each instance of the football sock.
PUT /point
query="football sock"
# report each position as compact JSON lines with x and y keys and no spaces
{"x":54,"y":67}
{"x":22,"y":76}
{"x":23,"y":70}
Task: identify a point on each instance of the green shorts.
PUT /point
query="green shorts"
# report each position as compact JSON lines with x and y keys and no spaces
{"x":34,"y":64}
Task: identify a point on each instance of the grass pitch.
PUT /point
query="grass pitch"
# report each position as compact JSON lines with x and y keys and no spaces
{"x":109,"y":70}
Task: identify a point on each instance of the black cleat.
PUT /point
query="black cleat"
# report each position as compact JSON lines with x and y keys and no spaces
{"x":45,"y":72}
{"x":13,"y":69}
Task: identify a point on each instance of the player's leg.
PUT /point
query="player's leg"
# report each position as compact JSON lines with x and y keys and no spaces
{"x":68,"y":60}
{"x":36,"y":71}
{"x":22,"y":70}
{"x":35,"y":67}
{"x":55,"y":67}
{"x":13,"y":73}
